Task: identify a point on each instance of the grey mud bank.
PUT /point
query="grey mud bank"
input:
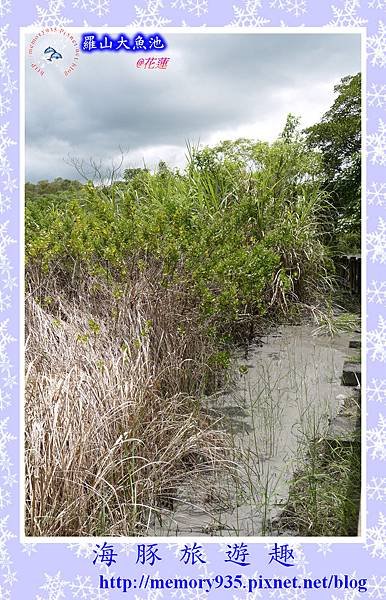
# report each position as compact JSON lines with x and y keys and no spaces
{"x":288,"y":391}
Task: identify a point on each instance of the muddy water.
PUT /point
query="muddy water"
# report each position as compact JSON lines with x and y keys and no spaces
{"x":287,"y":388}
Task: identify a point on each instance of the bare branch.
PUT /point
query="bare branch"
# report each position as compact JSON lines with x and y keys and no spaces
{"x":95,"y":170}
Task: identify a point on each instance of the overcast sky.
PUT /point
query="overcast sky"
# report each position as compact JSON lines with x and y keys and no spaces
{"x":216,"y":87}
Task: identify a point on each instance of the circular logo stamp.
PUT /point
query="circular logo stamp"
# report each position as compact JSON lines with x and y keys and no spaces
{"x":51,"y":49}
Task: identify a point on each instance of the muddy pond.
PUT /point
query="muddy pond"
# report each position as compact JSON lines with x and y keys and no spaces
{"x":287,"y":389}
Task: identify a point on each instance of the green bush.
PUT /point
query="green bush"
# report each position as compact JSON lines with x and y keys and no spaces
{"x":240,"y":228}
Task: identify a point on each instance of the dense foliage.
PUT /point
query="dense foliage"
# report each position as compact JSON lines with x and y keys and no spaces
{"x":134,"y":292}
{"x":241,"y":227}
{"x":338,"y":137}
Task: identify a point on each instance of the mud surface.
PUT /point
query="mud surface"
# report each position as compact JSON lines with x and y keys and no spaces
{"x":286,"y":391}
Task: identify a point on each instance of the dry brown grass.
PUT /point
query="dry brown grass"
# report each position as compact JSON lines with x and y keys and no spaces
{"x":112,"y":412}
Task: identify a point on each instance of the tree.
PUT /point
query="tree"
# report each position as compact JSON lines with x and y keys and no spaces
{"x":338,"y":137}
{"x":133,"y":172}
{"x":290,"y":132}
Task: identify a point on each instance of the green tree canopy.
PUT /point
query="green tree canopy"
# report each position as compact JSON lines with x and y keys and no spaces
{"x":338,"y":137}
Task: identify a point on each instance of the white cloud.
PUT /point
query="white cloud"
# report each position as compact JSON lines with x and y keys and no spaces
{"x":216,"y":87}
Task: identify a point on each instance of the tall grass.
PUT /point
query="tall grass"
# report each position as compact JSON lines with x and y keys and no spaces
{"x":324,"y":497}
{"x":135,"y":294}
{"x":112,"y":415}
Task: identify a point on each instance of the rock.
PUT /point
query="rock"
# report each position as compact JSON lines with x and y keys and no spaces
{"x":355,"y":344}
{"x":342,"y":428}
{"x":351,"y":373}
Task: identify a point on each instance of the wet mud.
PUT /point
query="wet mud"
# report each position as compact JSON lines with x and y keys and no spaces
{"x":286,"y":392}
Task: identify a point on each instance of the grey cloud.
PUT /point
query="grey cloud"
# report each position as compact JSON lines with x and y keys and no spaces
{"x":214,"y":82}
